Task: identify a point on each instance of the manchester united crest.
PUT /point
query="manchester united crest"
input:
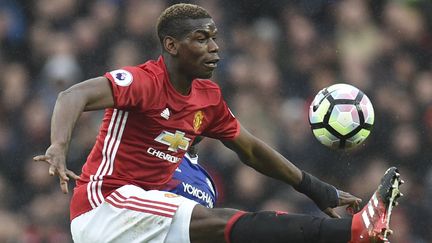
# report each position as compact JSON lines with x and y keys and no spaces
{"x":198,"y":118}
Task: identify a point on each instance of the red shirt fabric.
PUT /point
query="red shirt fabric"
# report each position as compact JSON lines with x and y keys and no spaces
{"x":143,"y":138}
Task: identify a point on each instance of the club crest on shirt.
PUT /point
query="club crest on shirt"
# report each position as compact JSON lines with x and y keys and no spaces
{"x":122,"y":77}
{"x":199,"y":116}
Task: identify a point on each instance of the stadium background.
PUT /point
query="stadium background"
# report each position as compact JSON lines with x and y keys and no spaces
{"x":275,"y":56}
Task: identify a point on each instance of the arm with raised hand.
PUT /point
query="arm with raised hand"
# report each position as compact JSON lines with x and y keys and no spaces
{"x":92,"y":94}
{"x":258,"y":155}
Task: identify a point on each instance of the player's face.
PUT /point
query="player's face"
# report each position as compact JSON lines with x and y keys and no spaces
{"x":198,"y":51}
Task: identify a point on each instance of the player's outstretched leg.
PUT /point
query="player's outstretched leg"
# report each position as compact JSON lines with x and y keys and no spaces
{"x":371,"y":224}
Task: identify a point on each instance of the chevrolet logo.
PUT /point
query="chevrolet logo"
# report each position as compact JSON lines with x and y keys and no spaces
{"x":174,"y":141}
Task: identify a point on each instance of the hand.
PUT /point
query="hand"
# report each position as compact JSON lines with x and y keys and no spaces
{"x":55,"y":156}
{"x":345,"y":198}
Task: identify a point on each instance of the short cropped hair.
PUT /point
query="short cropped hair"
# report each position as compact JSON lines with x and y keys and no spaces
{"x":171,"y":21}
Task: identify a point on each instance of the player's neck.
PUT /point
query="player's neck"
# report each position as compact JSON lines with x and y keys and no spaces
{"x":179,"y":81}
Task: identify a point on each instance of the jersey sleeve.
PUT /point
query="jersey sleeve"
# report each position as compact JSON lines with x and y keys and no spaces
{"x":225,"y":125}
{"x":131,"y":88}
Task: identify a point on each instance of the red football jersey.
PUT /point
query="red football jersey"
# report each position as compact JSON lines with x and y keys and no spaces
{"x":143,"y":138}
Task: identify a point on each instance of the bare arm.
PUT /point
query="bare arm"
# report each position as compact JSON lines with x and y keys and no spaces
{"x":92,"y":94}
{"x":263,"y":158}
{"x":266,"y":160}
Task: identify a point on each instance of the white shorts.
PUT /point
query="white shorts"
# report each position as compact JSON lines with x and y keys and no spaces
{"x":131,"y":214}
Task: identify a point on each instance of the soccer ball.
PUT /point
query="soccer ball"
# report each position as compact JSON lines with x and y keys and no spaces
{"x":341,"y":116}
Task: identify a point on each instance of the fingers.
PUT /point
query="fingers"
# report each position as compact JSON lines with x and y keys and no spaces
{"x":57,"y":166}
{"x":347,"y":199}
{"x":64,"y":185}
{"x":45,"y":158}
{"x":72,"y":175}
{"x":52,"y":170}
{"x":353,"y":207}
{"x":63,"y":174}
{"x":332,"y":213}
{"x":352,"y":202}
{"x":356,"y":205}
{"x":41,"y":158}
{"x":353,"y":199}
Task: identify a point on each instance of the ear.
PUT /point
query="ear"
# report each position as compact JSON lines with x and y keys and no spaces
{"x":170,"y":44}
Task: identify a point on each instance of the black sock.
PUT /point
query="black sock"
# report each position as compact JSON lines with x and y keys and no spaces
{"x":274,"y":227}
{"x":335,"y":230}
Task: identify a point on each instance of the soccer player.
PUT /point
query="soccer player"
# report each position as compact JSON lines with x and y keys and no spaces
{"x":153,"y":112}
{"x":192,"y":181}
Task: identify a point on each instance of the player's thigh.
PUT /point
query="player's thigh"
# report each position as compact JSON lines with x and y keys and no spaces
{"x":180,"y":226}
{"x":130,"y":214}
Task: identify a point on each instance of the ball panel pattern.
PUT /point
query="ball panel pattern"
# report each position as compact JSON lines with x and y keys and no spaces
{"x":344,"y":118}
{"x":341,"y":116}
{"x":326,"y":138}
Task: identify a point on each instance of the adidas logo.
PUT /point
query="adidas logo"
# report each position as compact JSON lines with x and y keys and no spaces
{"x":165,"y":113}
{"x":368,"y":215}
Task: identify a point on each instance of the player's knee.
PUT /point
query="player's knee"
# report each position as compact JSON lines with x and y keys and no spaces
{"x":202,"y":214}
{"x":209,"y":223}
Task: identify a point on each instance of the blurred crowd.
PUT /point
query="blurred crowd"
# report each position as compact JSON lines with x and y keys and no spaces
{"x":276,"y":55}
